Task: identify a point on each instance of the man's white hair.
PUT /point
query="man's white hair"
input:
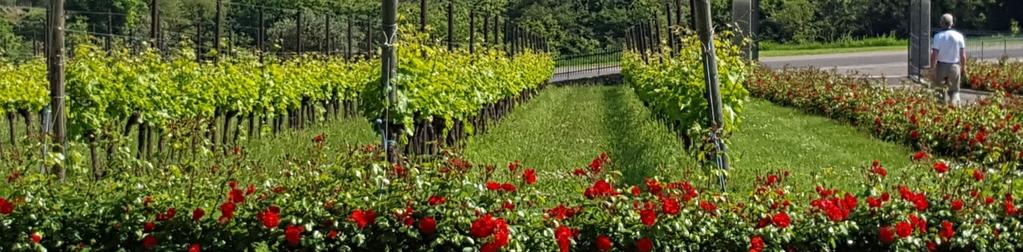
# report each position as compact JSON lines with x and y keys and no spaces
{"x":947,"y":21}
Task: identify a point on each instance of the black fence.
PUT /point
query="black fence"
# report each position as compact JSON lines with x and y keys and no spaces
{"x":587,"y":66}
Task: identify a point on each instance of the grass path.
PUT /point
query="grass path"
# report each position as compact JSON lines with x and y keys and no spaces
{"x":565,"y":127}
{"x":812,"y":148}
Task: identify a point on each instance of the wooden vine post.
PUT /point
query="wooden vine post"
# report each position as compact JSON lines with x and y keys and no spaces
{"x":389,"y":61}
{"x":451,"y":25}
{"x":217,"y":30}
{"x":703,"y":20}
{"x":55,"y":70}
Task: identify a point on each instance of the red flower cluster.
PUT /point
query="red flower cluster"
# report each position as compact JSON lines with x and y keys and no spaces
{"x":756,"y":244}
{"x":427,"y":226}
{"x":226,"y":212}
{"x":644,"y":245}
{"x":362,"y":218}
{"x":604,"y":243}
{"x":270,"y":217}
{"x":940,"y":167}
{"x":920,"y":155}
{"x":598,"y":163}
{"x":529,"y":176}
{"x":670,"y":206}
{"x":886,"y":234}
{"x":648,"y":215}
{"x":947,"y":232}
{"x":6,"y":207}
{"x":318,"y":139}
{"x":436,"y":200}
{"x":781,"y":220}
{"x":877,"y":202}
{"x":487,"y":225}
{"x":564,"y":236}
{"x":919,"y":200}
{"x":876,"y":168}
{"x":498,"y":187}
{"x":601,"y":188}
{"x":1010,"y":207}
{"x":561,"y":212}
{"x":293,"y":234}
{"x":978,"y":175}
{"x":198,"y":213}
{"x":513,"y":166}
{"x":169,"y":214}
{"x":149,"y":242}
{"x":35,"y":237}
{"x":836,"y":208}
{"x":708,"y":206}
{"x":957,"y":205}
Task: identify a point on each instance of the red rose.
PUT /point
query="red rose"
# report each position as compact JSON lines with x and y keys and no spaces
{"x":635,"y":191}
{"x":940,"y":167}
{"x":529,"y":176}
{"x":270,"y":217}
{"x":904,"y":229}
{"x":436,"y":200}
{"x":399,"y":170}
{"x":886,"y":234}
{"x":6,"y":207}
{"x":604,"y":243}
{"x":931,"y":246}
{"x":236,"y":196}
{"x":332,"y":235}
{"x":708,"y":206}
{"x":501,"y":233}
{"x":171,"y":212}
{"x":601,"y":188}
{"x":513,"y":166}
{"x":781,"y":220}
{"x":1010,"y":208}
{"x":197,"y":214}
{"x":508,"y":205}
{"x":879,"y":170}
{"x":947,"y":232}
{"x":978,"y":175}
{"x":644,"y":245}
{"x":920,"y":155}
{"x":363,"y":218}
{"x":756,"y":244}
{"x":873,"y":202}
{"x":148,"y":227}
{"x":648,"y":217}
{"x":483,"y":226}
{"x":318,"y":138}
{"x":35,"y":237}
{"x":670,"y":206}
{"x":493,"y":186}
{"x":250,"y":189}
{"x":226,"y":212}
{"x":508,"y":187}
{"x":957,"y":205}
{"x":920,"y":202}
{"x":579,"y":172}
{"x":427,"y":225}
{"x":914,"y":134}
{"x":988,"y":200}
{"x":149,"y":242}
{"x":563,"y":235}
{"x":293,"y":234}
{"x":195,"y":248}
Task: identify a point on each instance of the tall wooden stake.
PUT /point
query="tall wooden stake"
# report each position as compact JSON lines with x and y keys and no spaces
{"x":154,"y":24}
{"x":451,"y":25}
{"x":472,"y":30}
{"x":217,"y":30}
{"x":703,"y":20}
{"x":389,"y":61}
{"x":55,"y":70}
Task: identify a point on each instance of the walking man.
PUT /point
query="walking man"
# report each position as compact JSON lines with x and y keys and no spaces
{"x":948,"y":59}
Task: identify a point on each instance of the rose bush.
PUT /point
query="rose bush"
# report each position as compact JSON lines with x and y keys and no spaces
{"x":1004,"y":76}
{"x":326,"y":201}
{"x":986,"y":132}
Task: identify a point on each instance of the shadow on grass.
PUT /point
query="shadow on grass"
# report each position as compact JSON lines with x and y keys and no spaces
{"x":632,"y":151}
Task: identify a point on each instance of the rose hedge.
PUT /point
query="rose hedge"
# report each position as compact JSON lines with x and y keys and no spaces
{"x":1005,"y":76}
{"x":986,"y":132}
{"x":351,"y":200}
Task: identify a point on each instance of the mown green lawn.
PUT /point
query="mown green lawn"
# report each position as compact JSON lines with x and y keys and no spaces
{"x":565,"y":127}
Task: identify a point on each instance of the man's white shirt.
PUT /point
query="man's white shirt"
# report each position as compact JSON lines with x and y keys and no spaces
{"x":948,"y":43}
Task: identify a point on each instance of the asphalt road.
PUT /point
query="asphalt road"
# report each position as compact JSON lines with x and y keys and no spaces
{"x":884,"y":63}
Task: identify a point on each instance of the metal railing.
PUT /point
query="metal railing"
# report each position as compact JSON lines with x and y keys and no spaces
{"x":995,"y":47}
{"x":585,"y":66}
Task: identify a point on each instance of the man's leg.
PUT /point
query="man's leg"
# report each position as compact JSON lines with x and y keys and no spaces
{"x":954,"y":78}
{"x":941,"y":73}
